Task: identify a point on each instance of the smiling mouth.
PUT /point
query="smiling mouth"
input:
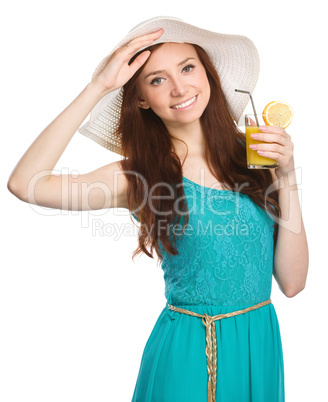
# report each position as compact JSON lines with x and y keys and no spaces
{"x":184,"y":104}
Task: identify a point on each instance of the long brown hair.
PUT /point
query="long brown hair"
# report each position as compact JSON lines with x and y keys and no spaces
{"x":149,"y":159}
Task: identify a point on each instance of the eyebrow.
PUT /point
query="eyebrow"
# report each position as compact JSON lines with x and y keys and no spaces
{"x":162,"y":71}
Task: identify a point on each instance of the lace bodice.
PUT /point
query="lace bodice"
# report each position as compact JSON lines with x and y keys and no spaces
{"x":226,"y":253}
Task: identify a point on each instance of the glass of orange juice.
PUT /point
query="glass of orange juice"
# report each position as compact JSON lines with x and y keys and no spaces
{"x":254,"y":160}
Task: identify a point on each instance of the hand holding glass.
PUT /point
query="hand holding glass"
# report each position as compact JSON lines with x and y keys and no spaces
{"x":254,"y":160}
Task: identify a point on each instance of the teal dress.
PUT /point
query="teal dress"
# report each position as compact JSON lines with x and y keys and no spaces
{"x":224,"y":264}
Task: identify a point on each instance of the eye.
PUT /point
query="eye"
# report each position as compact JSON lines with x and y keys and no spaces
{"x":188,"y":68}
{"x":156,"y":81}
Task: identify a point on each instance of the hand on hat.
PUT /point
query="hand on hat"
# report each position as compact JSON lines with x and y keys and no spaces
{"x":117,"y":71}
{"x":279,"y":147}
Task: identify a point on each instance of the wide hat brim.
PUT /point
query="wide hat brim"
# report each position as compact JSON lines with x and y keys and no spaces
{"x":235,"y":58}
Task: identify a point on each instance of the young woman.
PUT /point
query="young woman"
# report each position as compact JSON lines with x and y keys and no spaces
{"x":165,"y":100}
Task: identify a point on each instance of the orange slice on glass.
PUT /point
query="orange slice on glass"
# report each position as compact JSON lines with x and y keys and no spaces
{"x":279,"y":114}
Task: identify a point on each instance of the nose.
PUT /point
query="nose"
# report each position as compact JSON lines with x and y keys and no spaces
{"x":179,"y":87}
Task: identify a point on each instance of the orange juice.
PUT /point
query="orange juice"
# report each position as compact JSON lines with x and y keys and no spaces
{"x":253,"y":158}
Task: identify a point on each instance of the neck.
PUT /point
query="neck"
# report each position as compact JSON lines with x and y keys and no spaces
{"x":192,"y":135}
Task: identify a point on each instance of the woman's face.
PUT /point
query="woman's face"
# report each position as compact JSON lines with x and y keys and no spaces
{"x":174,"y":84}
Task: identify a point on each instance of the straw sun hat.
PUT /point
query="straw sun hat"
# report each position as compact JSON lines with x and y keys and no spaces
{"x":234,"y":57}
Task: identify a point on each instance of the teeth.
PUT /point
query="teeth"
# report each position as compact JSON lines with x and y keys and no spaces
{"x":189,"y":102}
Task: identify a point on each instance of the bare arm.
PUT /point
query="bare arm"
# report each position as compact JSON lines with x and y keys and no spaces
{"x":32,"y":179}
{"x":291,"y":257}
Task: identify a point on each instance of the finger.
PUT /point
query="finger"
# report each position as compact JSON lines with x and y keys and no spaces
{"x":273,"y":129}
{"x":271,"y":148}
{"x":281,"y":159}
{"x":268,"y":137}
{"x":144,"y":38}
{"x":271,"y":155}
{"x":140,"y":60}
{"x":133,"y":47}
{"x":127,"y":51}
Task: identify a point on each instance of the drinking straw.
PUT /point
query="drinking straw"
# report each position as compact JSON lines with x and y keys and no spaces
{"x":250,"y":95}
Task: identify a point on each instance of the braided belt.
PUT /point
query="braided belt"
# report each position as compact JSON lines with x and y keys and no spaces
{"x":211,"y":347}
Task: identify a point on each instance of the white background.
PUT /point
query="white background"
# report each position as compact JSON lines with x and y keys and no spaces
{"x":76,"y":312}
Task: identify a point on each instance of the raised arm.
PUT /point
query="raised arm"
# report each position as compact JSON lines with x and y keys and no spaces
{"x":32,"y":180}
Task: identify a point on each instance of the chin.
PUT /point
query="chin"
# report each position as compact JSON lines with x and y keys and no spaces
{"x":188,"y":118}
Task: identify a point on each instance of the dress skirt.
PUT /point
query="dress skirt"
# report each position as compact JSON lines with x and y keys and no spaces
{"x":250,"y":364}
